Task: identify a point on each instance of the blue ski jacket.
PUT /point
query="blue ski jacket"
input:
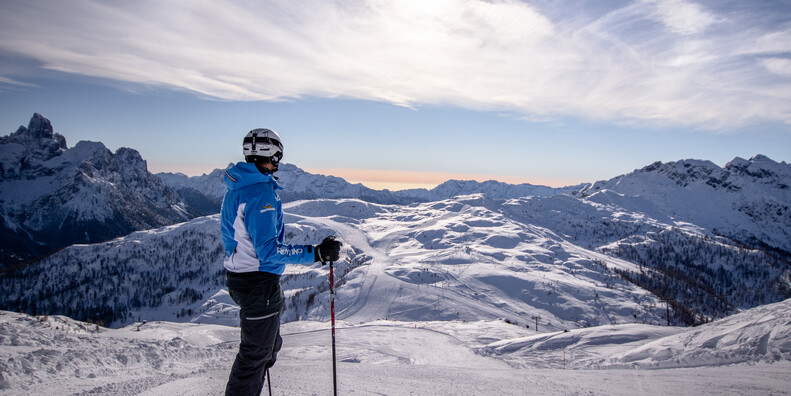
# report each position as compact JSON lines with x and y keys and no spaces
{"x":252,"y":224}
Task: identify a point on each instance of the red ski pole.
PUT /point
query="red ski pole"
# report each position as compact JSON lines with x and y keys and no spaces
{"x":332,"y":313}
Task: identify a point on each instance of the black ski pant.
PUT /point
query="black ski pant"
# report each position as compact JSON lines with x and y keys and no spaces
{"x":257,"y":352}
{"x":260,"y":331}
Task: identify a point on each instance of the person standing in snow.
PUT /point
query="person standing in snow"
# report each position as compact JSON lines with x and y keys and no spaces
{"x":256,"y":255}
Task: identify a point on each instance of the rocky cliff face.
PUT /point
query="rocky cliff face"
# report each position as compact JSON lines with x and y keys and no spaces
{"x":52,"y":196}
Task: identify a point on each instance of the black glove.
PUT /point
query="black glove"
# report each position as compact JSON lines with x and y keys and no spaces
{"x":328,"y":250}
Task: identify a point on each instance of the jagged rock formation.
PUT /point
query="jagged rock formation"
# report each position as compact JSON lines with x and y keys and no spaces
{"x":52,"y":196}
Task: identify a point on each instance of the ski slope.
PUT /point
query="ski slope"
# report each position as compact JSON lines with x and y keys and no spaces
{"x":746,"y":354}
{"x":459,"y":260}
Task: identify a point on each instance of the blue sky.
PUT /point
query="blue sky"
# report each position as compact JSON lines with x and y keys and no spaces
{"x":405,"y":93}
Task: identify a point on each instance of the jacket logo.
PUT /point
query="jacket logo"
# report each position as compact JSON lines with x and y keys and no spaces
{"x":289,"y":252}
{"x":267,"y":208}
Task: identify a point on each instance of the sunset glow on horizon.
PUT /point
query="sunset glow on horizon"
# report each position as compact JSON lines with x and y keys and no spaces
{"x":395,"y":180}
{"x":381,"y":179}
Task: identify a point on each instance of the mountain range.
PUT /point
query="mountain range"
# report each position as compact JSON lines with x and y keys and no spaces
{"x":206,"y":191}
{"x":687,"y":238}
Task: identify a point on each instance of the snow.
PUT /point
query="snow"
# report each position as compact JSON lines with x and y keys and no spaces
{"x":748,"y":353}
{"x":423,"y":308}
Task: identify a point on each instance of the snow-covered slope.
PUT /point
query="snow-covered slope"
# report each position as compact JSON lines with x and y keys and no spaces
{"x":703,"y":275}
{"x":745,"y":354}
{"x":170,"y":273}
{"x":53,"y":196}
{"x":758,"y":335}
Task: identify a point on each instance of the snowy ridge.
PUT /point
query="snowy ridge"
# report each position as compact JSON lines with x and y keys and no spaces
{"x":55,"y":355}
{"x":491,"y":188}
{"x":748,"y":201}
{"x":458,"y":259}
{"x":300,"y":185}
{"x":208,"y":190}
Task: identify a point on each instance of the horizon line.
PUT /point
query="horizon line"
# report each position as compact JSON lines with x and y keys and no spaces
{"x":386,"y":179}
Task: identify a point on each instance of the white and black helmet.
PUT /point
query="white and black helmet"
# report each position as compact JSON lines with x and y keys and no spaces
{"x":262,"y":142}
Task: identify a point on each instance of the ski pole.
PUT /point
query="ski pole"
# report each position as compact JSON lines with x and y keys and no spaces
{"x":269,"y":381}
{"x":332,"y":313}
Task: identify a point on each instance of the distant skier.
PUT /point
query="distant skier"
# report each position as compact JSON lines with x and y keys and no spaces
{"x":256,"y":255}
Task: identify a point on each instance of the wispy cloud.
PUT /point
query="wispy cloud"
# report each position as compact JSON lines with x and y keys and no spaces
{"x":780,"y":66}
{"x":15,"y":83}
{"x":661,"y":62}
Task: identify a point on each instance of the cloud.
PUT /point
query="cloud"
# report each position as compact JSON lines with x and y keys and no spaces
{"x":649,"y":62}
{"x":682,"y":17}
{"x":779,"y":66}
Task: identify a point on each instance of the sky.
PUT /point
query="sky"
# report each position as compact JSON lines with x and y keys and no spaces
{"x":399,"y":94}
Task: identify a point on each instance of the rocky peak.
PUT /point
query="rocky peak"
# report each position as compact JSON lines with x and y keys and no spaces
{"x":39,"y":134}
{"x":687,"y":171}
{"x":40,"y":127}
{"x":130,"y":161}
{"x":25,"y":151}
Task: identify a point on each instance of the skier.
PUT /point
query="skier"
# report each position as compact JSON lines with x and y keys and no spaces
{"x":256,"y":255}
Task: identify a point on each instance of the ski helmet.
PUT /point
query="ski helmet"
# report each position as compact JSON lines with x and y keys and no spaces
{"x":262,"y":142}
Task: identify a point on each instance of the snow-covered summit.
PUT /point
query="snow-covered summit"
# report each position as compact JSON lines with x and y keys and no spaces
{"x":762,"y":169}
